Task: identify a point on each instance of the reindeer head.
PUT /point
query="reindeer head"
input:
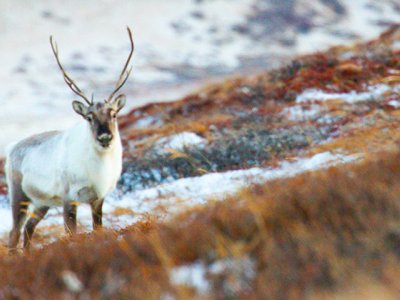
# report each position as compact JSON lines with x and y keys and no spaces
{"x":101,"y":116}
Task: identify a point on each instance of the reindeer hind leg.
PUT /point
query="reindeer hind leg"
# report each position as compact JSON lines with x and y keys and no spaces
{"x":19,"y":206}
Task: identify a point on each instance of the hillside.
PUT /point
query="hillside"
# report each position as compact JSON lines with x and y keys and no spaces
{"x":280,"y":185}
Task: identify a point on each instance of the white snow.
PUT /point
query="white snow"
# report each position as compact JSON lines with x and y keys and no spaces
{"x":302,"y":112}
{"x":192,"y":275}
{"x":215,"y":186}
{"x":72,"y":281}
{"x":374,"y":92}
{"x":240,"y":272}
{"x":396,"y":45}
{"x":146,"y":122}
{"x":361,"y":22}
{"x":165,"y":200}
{"x":394,"y":103}
{"x":6,"y":221}
{"x":180,"y":141}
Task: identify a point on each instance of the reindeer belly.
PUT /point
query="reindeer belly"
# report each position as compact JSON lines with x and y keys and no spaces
{"x":41,"y":180}
{"x":41,"y":191}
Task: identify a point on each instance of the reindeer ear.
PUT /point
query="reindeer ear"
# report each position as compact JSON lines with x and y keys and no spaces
{"x":119,"y":102}
{"x":80,"y":108}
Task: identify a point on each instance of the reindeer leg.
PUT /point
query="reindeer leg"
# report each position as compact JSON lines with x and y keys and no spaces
{"x":19,"y":207}
{"x":70,"y":218}
{"x":97,"y":213}
{"x":35,"y":218}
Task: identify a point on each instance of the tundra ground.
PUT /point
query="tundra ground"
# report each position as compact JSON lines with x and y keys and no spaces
{"x":331,"y":233}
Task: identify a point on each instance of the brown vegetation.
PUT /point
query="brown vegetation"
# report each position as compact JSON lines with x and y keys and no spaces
{"x":249,"y":117}
{"x":341,"y":69}
{"x":308,"y":236}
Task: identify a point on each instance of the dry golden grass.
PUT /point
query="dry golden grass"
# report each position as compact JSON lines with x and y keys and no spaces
{"x":320,"y":235}
{"x":120,"y":211}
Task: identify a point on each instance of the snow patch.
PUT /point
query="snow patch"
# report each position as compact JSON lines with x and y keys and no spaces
{"x":6,"y":220}
{"x":193,"y":275}
{"x":180,"y":141}
{"x":374,"y":92}
{"x":237,"y":274}
{"x":394,"y":103}
{"x":360,"y":22}
{"x":396,"y":45}
{"x":3,"y":201}
{"x":175,"y":196}
{"x":301,"y":112}
{"x":147,"y":122}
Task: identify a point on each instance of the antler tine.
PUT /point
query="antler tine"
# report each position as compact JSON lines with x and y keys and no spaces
{"x":72,"y":85}
{"x":124,"y":74}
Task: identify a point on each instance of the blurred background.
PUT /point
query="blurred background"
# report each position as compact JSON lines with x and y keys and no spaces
{"x":180,"y":45}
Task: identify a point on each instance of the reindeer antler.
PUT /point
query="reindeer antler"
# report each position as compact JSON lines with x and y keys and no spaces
{"x":72,"y":85}
{"x":124,"y":74}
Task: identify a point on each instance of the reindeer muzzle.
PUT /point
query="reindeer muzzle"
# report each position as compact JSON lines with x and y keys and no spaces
{"x":105,"y":139}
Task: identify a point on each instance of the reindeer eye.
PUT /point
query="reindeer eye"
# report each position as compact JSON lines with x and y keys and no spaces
{"x":113,"y":114}
{"x":89,"y":118}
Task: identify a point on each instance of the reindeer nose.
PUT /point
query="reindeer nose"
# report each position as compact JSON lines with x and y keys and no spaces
{"x":105,"y":139}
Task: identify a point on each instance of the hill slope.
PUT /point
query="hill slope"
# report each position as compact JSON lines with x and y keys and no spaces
{"x":322,"y":233}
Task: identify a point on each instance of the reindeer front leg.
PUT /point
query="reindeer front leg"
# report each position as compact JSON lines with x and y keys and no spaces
{"x":97,"y":213}
{"x":31,"y":224}
{"x":70,"y":217}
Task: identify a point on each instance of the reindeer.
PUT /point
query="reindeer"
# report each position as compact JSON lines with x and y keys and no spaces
{"x":64,"y":168}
